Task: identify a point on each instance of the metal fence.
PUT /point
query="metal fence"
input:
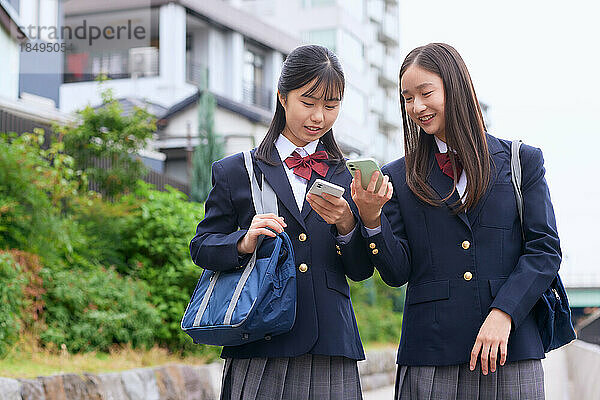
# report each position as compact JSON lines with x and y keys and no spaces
{"x":10,"y":122}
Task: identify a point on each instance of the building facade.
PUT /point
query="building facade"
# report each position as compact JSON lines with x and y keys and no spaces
{"x":189,"y":46}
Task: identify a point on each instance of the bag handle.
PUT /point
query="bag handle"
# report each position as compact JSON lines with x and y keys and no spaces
{"x":265,"y":200}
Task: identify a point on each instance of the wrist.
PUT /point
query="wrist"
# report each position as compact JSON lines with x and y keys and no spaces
{"x":346,"y":226}
{"x":241,"y":246}
{"x":372,"y":222}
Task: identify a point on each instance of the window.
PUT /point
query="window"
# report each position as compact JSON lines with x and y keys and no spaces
{"x":356,"y":8}
{"x":351,"y":51}
{"x":317,"y":3}
{"x":355,"y":104}
{"x":324,"y":37}
{"x":254,"y":90}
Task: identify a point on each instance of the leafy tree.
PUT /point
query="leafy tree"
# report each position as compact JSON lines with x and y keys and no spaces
{"x":209,"y":150}
{"x":106,"y":136}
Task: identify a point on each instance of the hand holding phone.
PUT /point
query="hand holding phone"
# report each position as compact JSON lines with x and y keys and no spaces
{"x":366,"y":166}
{"x":320,"y":186}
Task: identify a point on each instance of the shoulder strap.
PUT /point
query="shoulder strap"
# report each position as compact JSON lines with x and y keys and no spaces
{"x":265,"y":200}
{"x":515,"y":169}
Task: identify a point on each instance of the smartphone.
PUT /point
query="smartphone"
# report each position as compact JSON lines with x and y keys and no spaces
{"x":367,"y":167}
{"x":320,"y":186}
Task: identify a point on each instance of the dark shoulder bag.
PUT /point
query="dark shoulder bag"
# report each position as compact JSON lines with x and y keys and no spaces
{"x":552,"y":312}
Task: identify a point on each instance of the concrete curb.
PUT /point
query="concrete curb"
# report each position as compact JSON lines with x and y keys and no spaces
{"x":166,"y":382}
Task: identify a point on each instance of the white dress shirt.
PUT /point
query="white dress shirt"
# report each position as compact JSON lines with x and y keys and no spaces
{"x":285,"y":148}
{"x":298,"y":183}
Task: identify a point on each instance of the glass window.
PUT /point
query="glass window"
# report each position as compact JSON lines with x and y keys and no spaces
{"x":317,"y":3}
{"x":355,"y":104}
{"x":323,"y":37}
{"x":254,"y":91}
{"x":351,"y":51}
{"x":356,"y":8}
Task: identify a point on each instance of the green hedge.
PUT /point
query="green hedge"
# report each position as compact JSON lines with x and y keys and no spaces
{"x":11,"y":303}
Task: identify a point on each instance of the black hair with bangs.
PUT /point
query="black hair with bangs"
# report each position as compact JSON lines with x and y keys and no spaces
{"x":302,"y":66}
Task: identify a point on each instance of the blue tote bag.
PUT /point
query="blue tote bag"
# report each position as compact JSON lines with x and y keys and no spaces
{"x":231,"y":308}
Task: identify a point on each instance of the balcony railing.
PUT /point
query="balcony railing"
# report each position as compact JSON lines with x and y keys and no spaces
{"x":256,"y":95}
{"x":115,"y":64}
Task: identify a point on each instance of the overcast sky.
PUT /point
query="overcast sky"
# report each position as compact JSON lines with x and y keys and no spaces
{"x":536,"y":64}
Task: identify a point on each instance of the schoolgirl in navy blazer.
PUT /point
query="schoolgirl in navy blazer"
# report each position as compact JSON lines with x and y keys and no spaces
{"x":310,"y":90}
{"x":455,"y":236}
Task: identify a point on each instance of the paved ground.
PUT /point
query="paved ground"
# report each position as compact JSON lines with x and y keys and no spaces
{"x":386,"y":393}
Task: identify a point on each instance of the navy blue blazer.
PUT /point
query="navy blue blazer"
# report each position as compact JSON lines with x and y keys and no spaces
{"x":325,"y":322}
{"x":460,"y":266}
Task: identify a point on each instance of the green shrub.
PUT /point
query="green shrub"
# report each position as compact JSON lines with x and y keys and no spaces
{"x":106,"y":134}
{"x":11,"y":304}
{"x":378,"y":310}
{"x":157,"y":246}
{"x":92,"y":309}
{"x":35,"y":187}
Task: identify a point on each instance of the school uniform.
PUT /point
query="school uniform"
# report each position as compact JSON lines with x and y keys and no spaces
{"x":318,"y":356}
{"x":460,"y":266}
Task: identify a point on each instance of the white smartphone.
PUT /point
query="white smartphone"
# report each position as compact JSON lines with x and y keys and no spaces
{"x":320,"y":186}
{"x":367,"y":167}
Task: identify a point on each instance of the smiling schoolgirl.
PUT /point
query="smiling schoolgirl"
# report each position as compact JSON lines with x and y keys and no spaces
{"x":451,"y":230}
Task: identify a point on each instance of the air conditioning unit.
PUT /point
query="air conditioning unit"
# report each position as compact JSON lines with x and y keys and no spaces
{"x":143,"y":61}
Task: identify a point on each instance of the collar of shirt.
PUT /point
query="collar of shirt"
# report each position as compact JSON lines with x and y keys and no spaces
{"x":286,"y":148}
{"x":461,"y":185}
{"x":442,"y":146}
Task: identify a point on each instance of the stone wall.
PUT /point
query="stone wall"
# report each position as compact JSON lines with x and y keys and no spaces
{"x":169,"y":382}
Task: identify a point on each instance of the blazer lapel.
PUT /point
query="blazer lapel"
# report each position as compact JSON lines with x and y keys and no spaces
{"x":277,"y":178}
{"x":495,"y":149}
{"x":306,"y":208}
{"x":442,"y":184}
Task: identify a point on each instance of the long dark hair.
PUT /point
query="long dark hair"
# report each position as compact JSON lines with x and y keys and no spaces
{"x":464,"y":127}
{"x":303,"y":65}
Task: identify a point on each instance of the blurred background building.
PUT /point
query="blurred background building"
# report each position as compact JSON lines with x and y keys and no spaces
{"x":235,"y":49}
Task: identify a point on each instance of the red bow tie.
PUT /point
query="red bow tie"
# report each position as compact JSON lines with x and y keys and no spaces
{"x":303,"y":166}
{"x":443,"y":160}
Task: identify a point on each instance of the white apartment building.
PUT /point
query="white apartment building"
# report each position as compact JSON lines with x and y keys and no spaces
{"x":189,"y":45}
{"x":364,"y":34}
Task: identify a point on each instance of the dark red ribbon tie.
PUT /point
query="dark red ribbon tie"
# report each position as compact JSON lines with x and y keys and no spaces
{"x":303,"y":166}
{"x":443,"y":160}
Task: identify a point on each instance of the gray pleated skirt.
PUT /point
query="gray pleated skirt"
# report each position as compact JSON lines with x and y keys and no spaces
{"x":306,"y":377}
{"x":518,"y":380}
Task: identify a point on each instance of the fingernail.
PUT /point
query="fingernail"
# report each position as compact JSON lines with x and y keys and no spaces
{"x":471,"y":368}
